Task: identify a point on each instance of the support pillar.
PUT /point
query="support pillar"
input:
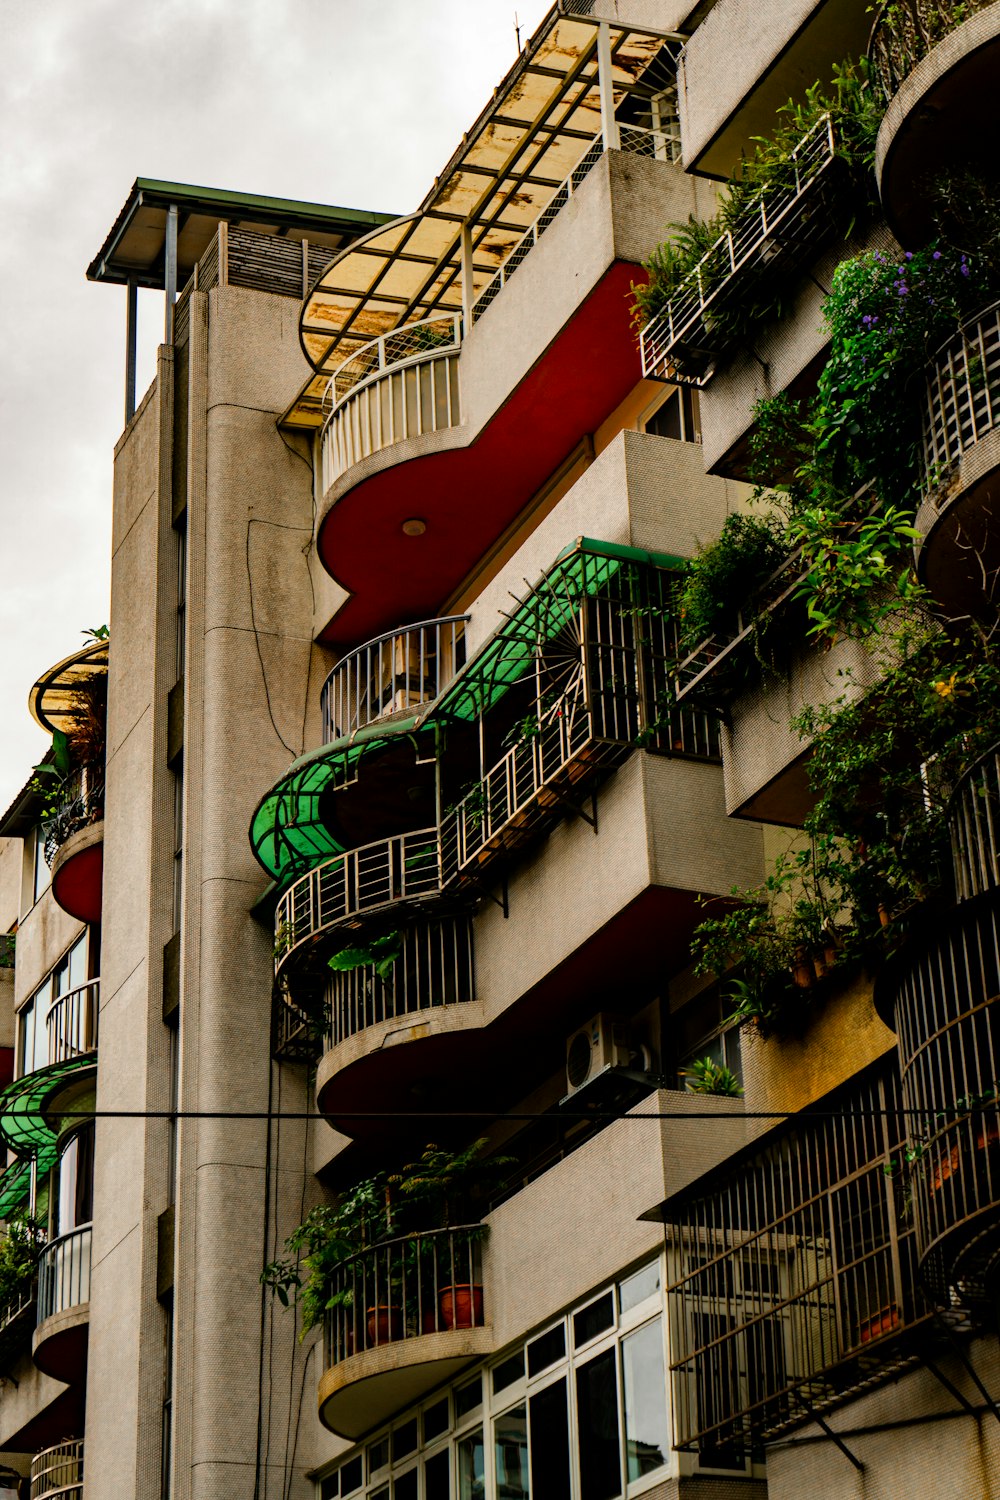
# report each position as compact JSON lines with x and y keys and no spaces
{"x":170,"y":273}
{"x":606,"y":88}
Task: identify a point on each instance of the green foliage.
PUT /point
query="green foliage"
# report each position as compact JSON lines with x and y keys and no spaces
{"x":855,"y":575}
{"x":19,"y":1251}
{"x":8,"y":949}
{"x":381,"y":952}
{"x":848,"y":101}
{"x":96,"y":633}
{"x":706,"y":1076}
{"x":726,"y":573}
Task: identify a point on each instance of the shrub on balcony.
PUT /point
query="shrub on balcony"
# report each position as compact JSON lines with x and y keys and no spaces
{"x":728,"y":572}
{"x":18,"y":1258}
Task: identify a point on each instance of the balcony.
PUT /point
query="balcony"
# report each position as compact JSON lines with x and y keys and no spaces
{"x":960,"y":552}
{"x":786,"y":227}
{"x":396,"y":673}
{"x":57,"y":1473}
{"x":59,"y":1346}
{"x":17,"y":1322}
{"x":791,"y":1275}
{"x":935,"y":62}
{"x":71,"y":1023}
{"x":408,"y":1315}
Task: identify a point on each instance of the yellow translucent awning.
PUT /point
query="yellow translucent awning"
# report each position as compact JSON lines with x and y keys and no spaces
{"x":540,"y":122}
{"x":55,"y":698}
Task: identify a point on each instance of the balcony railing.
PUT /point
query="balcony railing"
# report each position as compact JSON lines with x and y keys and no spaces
{"x":906,"y":30}
{"x":400,"y":670}
{"x":400,"y":1290}
{"x":948,"y":1023}
{"x":963,"y":394}
{"x":64,"y":1273}
{"x":790,"y":1275}
{"x":395,"y":872}
{"x":433,"y":969}
{"x":787,"y":223}
{"x":57,"y":1473}
{"x":81,"y":803}
{"x":402,"y":385}
{"x":72,"y":1022}
{"x":974,"y":823}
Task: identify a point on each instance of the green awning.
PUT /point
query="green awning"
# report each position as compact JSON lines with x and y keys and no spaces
{"x":23,"y":1105}
{"x":15,"y":1187}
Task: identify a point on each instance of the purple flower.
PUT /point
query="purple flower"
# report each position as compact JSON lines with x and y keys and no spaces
{"x":936,"y":255}
{"x":909,"y":254}
{"x":964,"y":269}
{"x":902,"y":291}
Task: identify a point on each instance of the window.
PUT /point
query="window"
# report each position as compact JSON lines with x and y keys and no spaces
{"x":678,"y":416}
{"x":647,"y":1442}
{"x":548,"y":1414}
{"x":471,"y":1467}
{"x":40,"y":873}
{"x":32,"y":1019}
{"x":510,"y":1439}
{"x":700,"y":1029}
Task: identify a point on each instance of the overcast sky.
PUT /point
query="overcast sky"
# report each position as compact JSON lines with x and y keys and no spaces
{"x":352,"y":102}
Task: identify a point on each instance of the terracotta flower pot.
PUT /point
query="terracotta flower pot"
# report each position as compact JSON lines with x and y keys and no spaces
{"x":384,"y":1325}
{"x":461,"y":1306}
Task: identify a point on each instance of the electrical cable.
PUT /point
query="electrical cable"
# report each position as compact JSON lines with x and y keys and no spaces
{"x":263,"y":1288}
{"x":429,"y":1115}
{"x":279,"y":526}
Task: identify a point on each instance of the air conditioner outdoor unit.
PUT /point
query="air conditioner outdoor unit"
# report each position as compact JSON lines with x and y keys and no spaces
{"x":595,"y":1049}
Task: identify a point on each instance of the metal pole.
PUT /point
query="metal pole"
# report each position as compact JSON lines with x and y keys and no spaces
{"x":467,"y":282}
{"x":131,"y":331}
{"x":170,"y":273}
{"x":605,"y":83}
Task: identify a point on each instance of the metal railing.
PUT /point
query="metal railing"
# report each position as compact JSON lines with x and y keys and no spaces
{"x":963,"y":394}
{"x":57,"y":1472}
{"x":433,"y":969}
{"x":399,"y":670}
{"x":974,"y":826}
{"x":404,"y":1288}
{"x":81,"y":803}
{"x":906,"y":30}
{"x":786,"y":1272}
{"x":787,"y":222}
{"x":387,"y":873}
{"x":948,"y":1024}
{"x":64,"y":1273}
{"x":72,"y":1022}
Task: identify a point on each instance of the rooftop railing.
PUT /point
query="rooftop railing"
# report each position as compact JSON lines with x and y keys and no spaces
{"x":72,"y":1022}
{"x":790,"y":1276}
{"x":57,"y":1472}
{"x":906,"y":30}
{"x":64,"y":1273}
{"x":963,"y":394}
{"x":394,"y":872}
{"x":787,"y":223}
{"x":405,"y":1288}
{"x":400,"y":670}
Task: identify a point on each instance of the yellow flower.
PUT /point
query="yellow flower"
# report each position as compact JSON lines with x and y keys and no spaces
{"x":945,"y":687}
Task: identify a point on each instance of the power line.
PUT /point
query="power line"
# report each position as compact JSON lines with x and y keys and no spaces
{"x":495,"y":1114}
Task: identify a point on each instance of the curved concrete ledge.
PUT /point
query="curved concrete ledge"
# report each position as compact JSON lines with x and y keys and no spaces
{"x":59,"y":1343}
{"x":360,"y":1392}
{"x":78,"y":873}
{"x":945,"y":111}
{"x":383,"y":1061}
{"x":959,"y":551}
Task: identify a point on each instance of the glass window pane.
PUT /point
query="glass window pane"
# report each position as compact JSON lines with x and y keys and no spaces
{"x":404,"y":1486}
{"x":436,"y":1420}
{"x":546,"y":1350}
{"x":77,"y":964}
{"x":647,"y":1442}
{"x":506,"y":1373}
{"x":468,"y":1398}
{"x":510,"y":1442}
{"x":378,"y":1456}
{"x":593,"y":1320}
{"x":404,"y":1440}
{"x":471,"y":1467}
{"x":549,"y":1415}
{"x":437,"y":1477}
{"x":636,"y":1289}
{"x":351,"y":1476}
{"x":329,"y":1488}
{"x":597,"y":1424}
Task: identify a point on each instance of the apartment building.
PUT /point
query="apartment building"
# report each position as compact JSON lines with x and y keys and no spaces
{"x":355,"y":903}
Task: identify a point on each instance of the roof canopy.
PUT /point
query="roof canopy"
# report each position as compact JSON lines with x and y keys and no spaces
{"x":538,"y":125}
{"x":55,"y":698}
{"x":134,"y":248}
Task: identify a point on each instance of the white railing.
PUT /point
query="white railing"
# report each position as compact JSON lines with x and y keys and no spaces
{"x":399,"y":670}
{"x":57,"y":1472}
{"x":380,"y":875}
{"x":405,"y":383}
{"x":72,"y":1022}
{"x":963,"y":394}
{"x":64,"y":1273}
{"x":778,"y":229}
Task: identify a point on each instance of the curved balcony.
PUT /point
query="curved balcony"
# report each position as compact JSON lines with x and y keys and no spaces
{"x":57,"y":1472}
{"x":423,"y":997}
{"x":396,"y":672}
{"x":59,"y":1346}
{"x":72,"y":1022}
{"x":399,"y":875}
{"x":974,"y":825}
{"x":408,"y":1315}
{"x":74,"y":844}
{"x":402,"y":385}
{"x":935,"y":63}
{"x":959,"y":553}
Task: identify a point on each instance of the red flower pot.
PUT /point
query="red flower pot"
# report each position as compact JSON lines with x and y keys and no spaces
{"x":461,"y":1306}
{"x":384,"y":1325}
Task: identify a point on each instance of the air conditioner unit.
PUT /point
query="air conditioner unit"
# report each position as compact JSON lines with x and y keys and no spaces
{"x":595,"y":1049}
